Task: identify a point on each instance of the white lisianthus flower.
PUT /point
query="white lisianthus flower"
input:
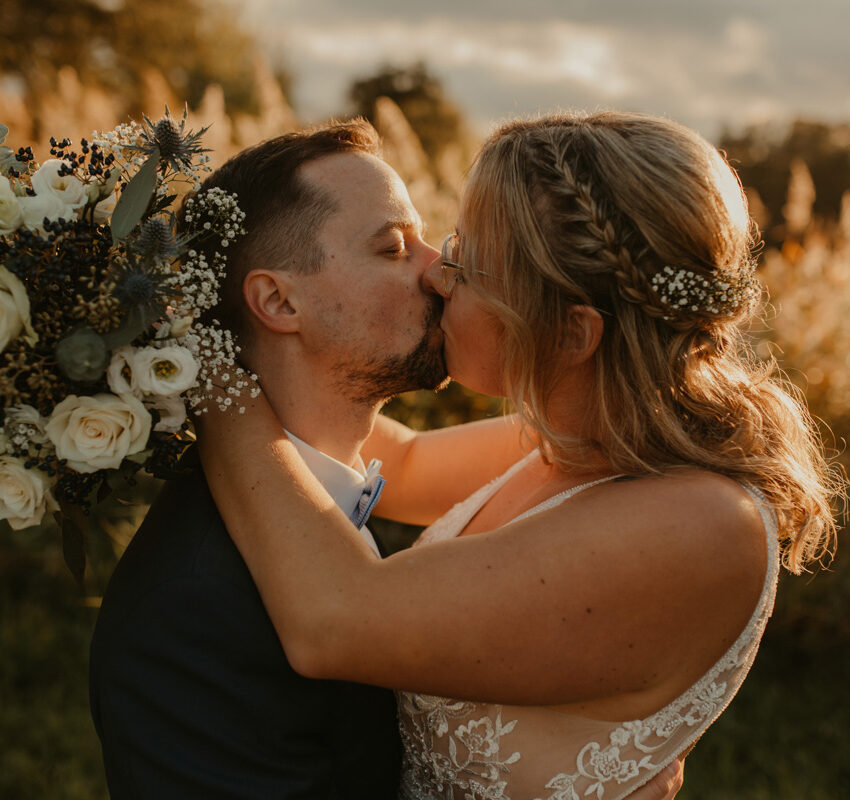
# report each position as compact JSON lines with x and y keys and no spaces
{"x":180,"y":326}
{"x":68,"y":189}
{"x":172,"y":413}
{"x":97,"y":191}
{"x":119,"y":373}
{"x":164,"y":371}
{"x":98,"y":432}
{"x":14,"y":310}
{"x":24,"y":494}
{"x":103,"y":210}
{"x":10,"y":212}
{"x":36,"y":209}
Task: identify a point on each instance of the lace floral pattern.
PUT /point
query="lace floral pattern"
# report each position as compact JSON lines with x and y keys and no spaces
{"x":460,"y":750}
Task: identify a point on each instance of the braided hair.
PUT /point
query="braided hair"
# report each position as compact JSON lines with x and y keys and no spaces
{"x":643,"y":220}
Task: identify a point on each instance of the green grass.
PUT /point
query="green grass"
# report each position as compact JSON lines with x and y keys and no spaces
{"x":49,"y":747}
{"x":785,"y":734}
{"x":783,"y":738}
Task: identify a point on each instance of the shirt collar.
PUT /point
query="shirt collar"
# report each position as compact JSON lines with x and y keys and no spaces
{"x":343,"y":483}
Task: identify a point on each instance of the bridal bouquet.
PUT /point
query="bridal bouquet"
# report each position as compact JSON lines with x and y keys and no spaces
{"x":105,"y":341}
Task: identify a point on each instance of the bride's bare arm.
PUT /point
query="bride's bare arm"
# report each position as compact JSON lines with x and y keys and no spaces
{"x":584,"y":601}
{"x":428,"y":472}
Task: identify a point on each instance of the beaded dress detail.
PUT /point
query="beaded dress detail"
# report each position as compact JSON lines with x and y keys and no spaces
{"x":462,"y":750}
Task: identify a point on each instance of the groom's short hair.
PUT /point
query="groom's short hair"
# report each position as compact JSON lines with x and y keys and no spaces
{"x":282,"y":211}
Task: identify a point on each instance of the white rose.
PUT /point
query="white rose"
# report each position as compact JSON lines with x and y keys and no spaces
{"x":24,"y":494}
{"x":119,"y":373}
{"x":98,"y":432}
{"x":172,"y":413}
{"x":10,"y":212}
{"x":164,"y":371}
{"x":68,"y":189}
{"x":14,"y":310}
{"x":35,"y":209}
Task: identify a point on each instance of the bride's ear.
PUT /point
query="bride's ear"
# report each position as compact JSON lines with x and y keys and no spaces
{"x":269,"y":296}
{"x":582,"y":334}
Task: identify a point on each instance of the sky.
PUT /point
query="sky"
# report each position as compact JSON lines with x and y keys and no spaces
{"x":712,"y":64}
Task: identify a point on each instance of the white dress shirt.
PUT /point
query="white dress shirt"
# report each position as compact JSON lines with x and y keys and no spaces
{"x":343,"y":483}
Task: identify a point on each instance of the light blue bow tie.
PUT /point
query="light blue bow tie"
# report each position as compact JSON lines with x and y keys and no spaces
{"x":372,"y":489}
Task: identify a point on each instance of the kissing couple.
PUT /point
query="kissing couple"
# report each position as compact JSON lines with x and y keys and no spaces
{"x":596,"y":571}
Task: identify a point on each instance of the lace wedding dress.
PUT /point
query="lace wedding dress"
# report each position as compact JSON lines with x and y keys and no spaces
{"x":461,"y":750}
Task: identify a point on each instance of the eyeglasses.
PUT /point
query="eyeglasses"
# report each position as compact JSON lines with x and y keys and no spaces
{"x":452,"y":272}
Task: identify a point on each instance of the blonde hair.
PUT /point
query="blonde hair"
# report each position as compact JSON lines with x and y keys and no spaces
{"x":586,"y":209}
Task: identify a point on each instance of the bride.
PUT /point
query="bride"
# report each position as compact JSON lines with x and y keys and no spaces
{"x":577,"y":623}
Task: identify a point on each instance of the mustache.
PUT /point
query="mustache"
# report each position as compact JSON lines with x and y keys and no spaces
{"x":436,"y":304}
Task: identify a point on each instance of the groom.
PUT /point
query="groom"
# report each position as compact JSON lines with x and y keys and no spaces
{"x":192,"y":694}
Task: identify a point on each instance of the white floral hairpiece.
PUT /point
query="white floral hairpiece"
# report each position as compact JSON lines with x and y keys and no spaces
{"x":720,"y":293}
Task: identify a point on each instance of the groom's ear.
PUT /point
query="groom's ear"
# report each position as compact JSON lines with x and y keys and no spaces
{"x":267,"y":294}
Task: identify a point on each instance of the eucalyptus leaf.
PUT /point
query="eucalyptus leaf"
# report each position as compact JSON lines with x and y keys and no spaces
{"x":9,"y":161}
{"x":137,"y":321}
{"x":163,"y":203}
{"x":135,"y":198}
{"x":104,"y":491}
{"x":83,"y":355}
{"x":128,"y":470}
{"x":4,"y":132}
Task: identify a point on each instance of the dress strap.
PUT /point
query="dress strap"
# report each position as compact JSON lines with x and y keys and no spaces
{"x":557,"y":499}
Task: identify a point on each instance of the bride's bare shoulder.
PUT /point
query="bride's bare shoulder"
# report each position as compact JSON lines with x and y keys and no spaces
{"x":698,"y":513}
{"x":692,"y":496}
{"x":689,"y":516}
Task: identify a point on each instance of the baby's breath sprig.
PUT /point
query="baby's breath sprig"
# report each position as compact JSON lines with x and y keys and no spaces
{"x":215,"y":349}
{"x":124,"y":137}
{"x":214,"y":217}
{"x":215,"y":212}
{"x":720,"y":293}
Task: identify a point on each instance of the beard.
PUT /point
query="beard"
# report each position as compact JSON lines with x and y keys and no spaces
{"x":424,"y":367}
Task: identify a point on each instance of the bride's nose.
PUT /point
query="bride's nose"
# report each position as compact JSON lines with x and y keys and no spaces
{"x":433,"y":277}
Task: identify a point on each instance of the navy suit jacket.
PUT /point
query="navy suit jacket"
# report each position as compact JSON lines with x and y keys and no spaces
{"x":192,"y":695}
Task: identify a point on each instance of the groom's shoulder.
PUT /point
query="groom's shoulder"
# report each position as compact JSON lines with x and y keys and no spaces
{"x":181,"y":539}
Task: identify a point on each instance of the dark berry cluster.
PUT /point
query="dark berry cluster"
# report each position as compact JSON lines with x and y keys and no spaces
{"x":75,"y":488}
{"x":71,"y":159}
{"x":99,"y":164}
{"x":168,"y":449}
{"x":68,"y":249}
{"x":49,"y":464}
{"x":25,"y":156}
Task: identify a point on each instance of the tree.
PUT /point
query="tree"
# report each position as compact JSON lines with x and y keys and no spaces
{"x":113,"y":42}
{"x":764,"y":160}
{"x":435,"y":118}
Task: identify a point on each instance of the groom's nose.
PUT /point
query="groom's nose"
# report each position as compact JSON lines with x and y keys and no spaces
{"x":429,"y":255}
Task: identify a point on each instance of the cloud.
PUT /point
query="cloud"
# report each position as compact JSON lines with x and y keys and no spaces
{"x":708,"y":64}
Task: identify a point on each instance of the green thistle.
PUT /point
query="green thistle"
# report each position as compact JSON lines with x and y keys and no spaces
{"x":177,"y":146}
{"x":136,"y":285}
{"x":156,"y":241}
